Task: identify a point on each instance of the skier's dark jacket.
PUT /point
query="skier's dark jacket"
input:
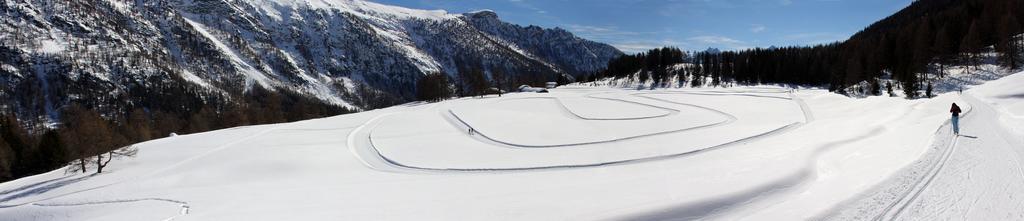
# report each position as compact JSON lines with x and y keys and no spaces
{"x":955,"y":110}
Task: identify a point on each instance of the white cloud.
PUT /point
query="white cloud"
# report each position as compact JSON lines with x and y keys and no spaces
{"x":626,"y":41}
{"x":758,"y":28}
{"x":587,"y":29}
{"x":631,"y":48}
{"x":719,"y":42}
{"x":605,"y":33}
{"x":814,"y":38}
{"x":528,"y":6}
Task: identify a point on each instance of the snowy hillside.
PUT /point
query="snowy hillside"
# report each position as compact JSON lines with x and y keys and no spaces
{"x":577,"y":153}
{"x":350,"y":53}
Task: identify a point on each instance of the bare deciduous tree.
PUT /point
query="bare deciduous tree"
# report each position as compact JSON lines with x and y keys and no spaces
{"x":92,"y":140}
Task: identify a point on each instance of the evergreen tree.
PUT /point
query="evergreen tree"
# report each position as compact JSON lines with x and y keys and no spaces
{"x":500,"y":79}
{"x":944,"y":46}
{"x":15,"y":137}
{"x":888,"y":88}
{"x":910,"y":86}
{"x":6,"y":161}
{"x":51,"y":152}
{"x":1008,"y":45}
{"x":928,"y":90}
{"x":477,"y":81}
{"x":875,"y":87}
{"x":923,"y":51}
{"x":854,"y":67}
{"x":433,"y":87}
{"x":971,"y":44}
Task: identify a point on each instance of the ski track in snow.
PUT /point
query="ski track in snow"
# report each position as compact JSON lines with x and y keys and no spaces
{"x":967,"y":181}
{"x":184,"y":205}
{"x":462,"y":124}
{"x":574,"y":114}
{"x":894,"y":210}
{"x":984,"y":181}
{"x":361,"y":144}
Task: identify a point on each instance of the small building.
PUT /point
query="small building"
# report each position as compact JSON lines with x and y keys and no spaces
{"x":551,"y":84}
{"x":527,"y":88}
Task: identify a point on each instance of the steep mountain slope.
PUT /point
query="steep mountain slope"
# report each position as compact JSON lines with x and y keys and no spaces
{"x":556,"y":45}
{"x":116,"y":54}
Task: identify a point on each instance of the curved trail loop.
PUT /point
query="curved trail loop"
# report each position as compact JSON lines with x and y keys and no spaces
{"x":393,"y":165}
{"x":462,"y":124}
{"x":574,"y":114}
{"x":361,"y":145}
{"x":183,"y":211}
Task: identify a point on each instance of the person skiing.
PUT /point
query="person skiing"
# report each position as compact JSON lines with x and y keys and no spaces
{"x":956,"y":118}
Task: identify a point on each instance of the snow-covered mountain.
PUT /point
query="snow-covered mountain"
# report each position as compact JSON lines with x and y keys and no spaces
{"x":557,"y":46}
{"x":115,"y":53}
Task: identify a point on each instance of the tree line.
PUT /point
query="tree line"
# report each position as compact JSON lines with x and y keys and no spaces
{"x":653,"y":64}
{"x":474,"y":80}
{"x":913,"y":47}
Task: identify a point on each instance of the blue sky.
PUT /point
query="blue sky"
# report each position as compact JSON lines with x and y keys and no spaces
{"x":637,"y":25}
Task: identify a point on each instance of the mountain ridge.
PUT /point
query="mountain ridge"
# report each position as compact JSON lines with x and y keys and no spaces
{"x":118,"y":55}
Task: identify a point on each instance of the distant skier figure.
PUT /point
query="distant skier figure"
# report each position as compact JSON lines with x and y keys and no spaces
{"x":956,"y":118}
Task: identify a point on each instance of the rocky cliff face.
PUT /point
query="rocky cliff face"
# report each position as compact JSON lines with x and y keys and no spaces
{"x":114,"y":54}
{"x":557,"y":46}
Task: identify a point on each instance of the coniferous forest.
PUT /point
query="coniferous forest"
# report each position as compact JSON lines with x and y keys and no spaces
{"x":922,"y":40}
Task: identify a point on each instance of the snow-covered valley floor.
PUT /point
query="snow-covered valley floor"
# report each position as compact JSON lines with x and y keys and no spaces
{"x":577,"y":153}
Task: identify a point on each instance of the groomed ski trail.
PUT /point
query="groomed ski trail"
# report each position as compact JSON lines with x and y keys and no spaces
{"x":360,"y":144}
{"x":983,"y":180}
{"x":979,"y":175}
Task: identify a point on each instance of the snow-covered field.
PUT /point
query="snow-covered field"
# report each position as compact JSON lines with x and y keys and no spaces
{"x":577,"y":153}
